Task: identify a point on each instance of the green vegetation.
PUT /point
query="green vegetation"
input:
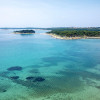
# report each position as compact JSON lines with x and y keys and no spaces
{"x":25,"y":31}
{"x":72,"y":32}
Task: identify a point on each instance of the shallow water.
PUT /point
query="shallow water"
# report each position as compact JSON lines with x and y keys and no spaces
{"x":39,"y":67}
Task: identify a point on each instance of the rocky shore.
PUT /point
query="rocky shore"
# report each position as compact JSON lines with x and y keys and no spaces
{"x":70,"y":38}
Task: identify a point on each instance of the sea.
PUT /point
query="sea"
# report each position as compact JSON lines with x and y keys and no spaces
{"x":40,"y":67}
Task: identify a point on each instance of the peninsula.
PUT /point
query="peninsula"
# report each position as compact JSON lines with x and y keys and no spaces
{"x":68,"y":33}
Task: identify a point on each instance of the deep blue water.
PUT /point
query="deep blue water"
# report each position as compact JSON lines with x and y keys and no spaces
{"x":68,"y":67}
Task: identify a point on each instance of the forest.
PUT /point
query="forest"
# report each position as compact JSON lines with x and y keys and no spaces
{"x":72,"y":32}
{"x":25,"y":31}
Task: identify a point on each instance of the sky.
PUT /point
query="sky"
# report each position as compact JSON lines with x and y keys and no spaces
{"x":49,"y":13}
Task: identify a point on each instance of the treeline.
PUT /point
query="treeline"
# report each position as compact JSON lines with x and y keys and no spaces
{"x":73,"y":33}
{"x":25,"y":31}
{"x":77,"y":28}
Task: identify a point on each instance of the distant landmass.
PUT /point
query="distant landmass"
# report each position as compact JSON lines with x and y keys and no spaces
{"x":24,"y":32}
{"x":58,"y":28}
{"x":75,"y":33}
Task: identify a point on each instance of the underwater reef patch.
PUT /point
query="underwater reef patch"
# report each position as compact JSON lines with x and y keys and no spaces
{"x":35,"y":79}
{"x":14,"y":77}
{"x":15,"y":68}
{"x":4,"y":90}
{"x":30,"y":78}
{"x":39,"y":79}
{"x":4,"y":87}
{"x":98,"y":87}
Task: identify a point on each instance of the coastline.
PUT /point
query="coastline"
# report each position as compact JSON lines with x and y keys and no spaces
{"x":70,"y":38}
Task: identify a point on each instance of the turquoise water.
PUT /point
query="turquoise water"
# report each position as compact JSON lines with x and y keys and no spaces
{"x":70,"y":68}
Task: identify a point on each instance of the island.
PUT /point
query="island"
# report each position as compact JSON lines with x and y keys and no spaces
{"x":75,"y":33}
{"x":24,"y":32}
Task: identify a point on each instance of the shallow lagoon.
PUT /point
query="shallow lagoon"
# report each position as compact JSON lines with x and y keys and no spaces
{"x":51,"y":69}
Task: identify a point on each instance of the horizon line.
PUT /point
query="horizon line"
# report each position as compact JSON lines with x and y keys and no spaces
{"x":49,"y":27}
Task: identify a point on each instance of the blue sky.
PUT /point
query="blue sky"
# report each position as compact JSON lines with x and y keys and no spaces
{"x":49,"y":13}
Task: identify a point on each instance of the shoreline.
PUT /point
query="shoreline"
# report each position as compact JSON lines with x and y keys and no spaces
{"x":70,"y":38}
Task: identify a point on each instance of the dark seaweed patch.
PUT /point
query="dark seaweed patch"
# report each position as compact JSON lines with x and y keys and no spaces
{"x":4,"y":90}
{"x":14,"y":77}
{"x":4,"y":87}
{"x":39,"y":79}
{"x":30,"y":78}
{"x":28,"y":84}
{"x":35,"y":79}
{"x":17,"y":68}
{"x":98,"y":87}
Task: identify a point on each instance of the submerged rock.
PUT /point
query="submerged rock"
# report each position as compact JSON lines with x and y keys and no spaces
{"x":30,"y":78}
{"x":4,"y":90}
{"x":35,"y":79}
{"x":17,"y":68}
{"x":4,"y":87}
{"x":14,"y":77}
{"x":39,"y":79}
{"x":98,"y":87}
